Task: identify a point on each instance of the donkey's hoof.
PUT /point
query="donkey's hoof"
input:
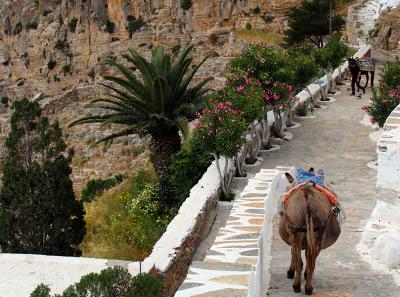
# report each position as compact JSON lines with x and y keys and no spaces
{"x":308,"y":291}
{"x":290,"y":274}
{"x":297,"y":289}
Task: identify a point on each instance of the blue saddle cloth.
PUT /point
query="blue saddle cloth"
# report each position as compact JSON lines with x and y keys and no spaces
{"x":305,"y":176}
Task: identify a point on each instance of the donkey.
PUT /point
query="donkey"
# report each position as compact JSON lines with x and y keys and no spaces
{"x":307,"y":223}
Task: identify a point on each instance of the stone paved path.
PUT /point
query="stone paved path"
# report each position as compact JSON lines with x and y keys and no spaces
{"x":336,"y":141}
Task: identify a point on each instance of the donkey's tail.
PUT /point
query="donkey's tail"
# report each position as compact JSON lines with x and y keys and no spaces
{"x":309,"y":226}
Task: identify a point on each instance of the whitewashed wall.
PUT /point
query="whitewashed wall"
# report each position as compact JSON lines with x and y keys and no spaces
{"x":380,"y":243}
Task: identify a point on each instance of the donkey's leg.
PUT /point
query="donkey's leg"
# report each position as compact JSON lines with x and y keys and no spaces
{"x":296,"y":253}
{"x":305,"y":271}
{"x":292,"y":269}
{"x":311,"y":259}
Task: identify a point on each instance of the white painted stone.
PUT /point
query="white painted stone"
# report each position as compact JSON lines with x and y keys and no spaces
{"x":388,"y":150}
{"x":380,"y":242}
{"x":366,"y":121}
{"x":274,"y":147}
{"x":373,"y":165}
{"x":387,"y":249}
{"x":309,"y":117}
{"x":288,"y":136}
{"x":331,"y":100}
{"x":294,"y":125}
{"x":376,"y":135}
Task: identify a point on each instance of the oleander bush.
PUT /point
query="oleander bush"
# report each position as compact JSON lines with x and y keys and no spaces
{"x":390,"y":76}
{"x":386,"y":97}
{"x":384,"y":100}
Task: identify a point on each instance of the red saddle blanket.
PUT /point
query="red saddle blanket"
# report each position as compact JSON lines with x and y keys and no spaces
{"x":331,"y":196}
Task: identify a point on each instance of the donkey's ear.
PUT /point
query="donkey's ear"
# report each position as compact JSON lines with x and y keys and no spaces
{"x":289,"y":177}
{"x":311,"y":169}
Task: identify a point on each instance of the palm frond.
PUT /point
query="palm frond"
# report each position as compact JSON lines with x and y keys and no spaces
{"x":183,"y":125}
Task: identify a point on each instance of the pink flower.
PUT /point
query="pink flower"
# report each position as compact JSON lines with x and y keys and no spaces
{"x":372,"y":120}
{"x":240,"y":89}
{"x":385,"y":101}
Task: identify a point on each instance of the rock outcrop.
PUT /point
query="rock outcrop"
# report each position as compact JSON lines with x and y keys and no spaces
{"x":386,"y":34}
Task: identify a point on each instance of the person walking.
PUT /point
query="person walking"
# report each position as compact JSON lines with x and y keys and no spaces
{"x":355,"y":73}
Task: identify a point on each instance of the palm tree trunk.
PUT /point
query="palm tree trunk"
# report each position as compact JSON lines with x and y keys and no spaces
{"x":163,"y":145}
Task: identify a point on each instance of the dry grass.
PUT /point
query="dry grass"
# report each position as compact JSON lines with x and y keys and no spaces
{"x":258,"y":36}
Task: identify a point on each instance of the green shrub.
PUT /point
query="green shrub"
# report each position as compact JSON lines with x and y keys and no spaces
{"x":51,"y":64}
{"x":302,"y":109}
{"x":46,"y":12}
{"x":111,"y":282}
{"x":17,"y":28}
{"x":227,"y":197}
{"x":109,"y":26}
{"x":188,"y":166}
{"x":80,"y":161}
{"x":138,"y":150}
{"x":256,"y":10}
{"x":134,"y":24}
{"x":72,"y":24}
{"x":41,"y":291}
{"x":391,"y":74}
{"x":268,"y":18}
{"x":66,"y":68}
{"x":5,"y":100}
{"x":92,"y":74}
{"x":248,"y":26}
{"x":91,"y":142}
{"x":61,"y":44}
{"x":32,"y":25}
{"x":186,"y":4}
{"x":96,"y":187}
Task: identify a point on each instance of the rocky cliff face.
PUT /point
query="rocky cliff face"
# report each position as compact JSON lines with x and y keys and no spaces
{"x":52,"y":51}
{"x":386,"y":34}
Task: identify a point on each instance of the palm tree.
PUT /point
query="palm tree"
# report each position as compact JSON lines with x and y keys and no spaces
{"x":156,"y":101}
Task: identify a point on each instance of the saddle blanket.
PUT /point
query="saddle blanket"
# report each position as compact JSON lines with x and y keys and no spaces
{"x":331,"y":197}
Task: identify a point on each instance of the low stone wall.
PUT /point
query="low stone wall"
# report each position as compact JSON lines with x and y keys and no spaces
{"x":380,"y":244}
{"x":228,"y":267}
{"x":173,"y":252}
